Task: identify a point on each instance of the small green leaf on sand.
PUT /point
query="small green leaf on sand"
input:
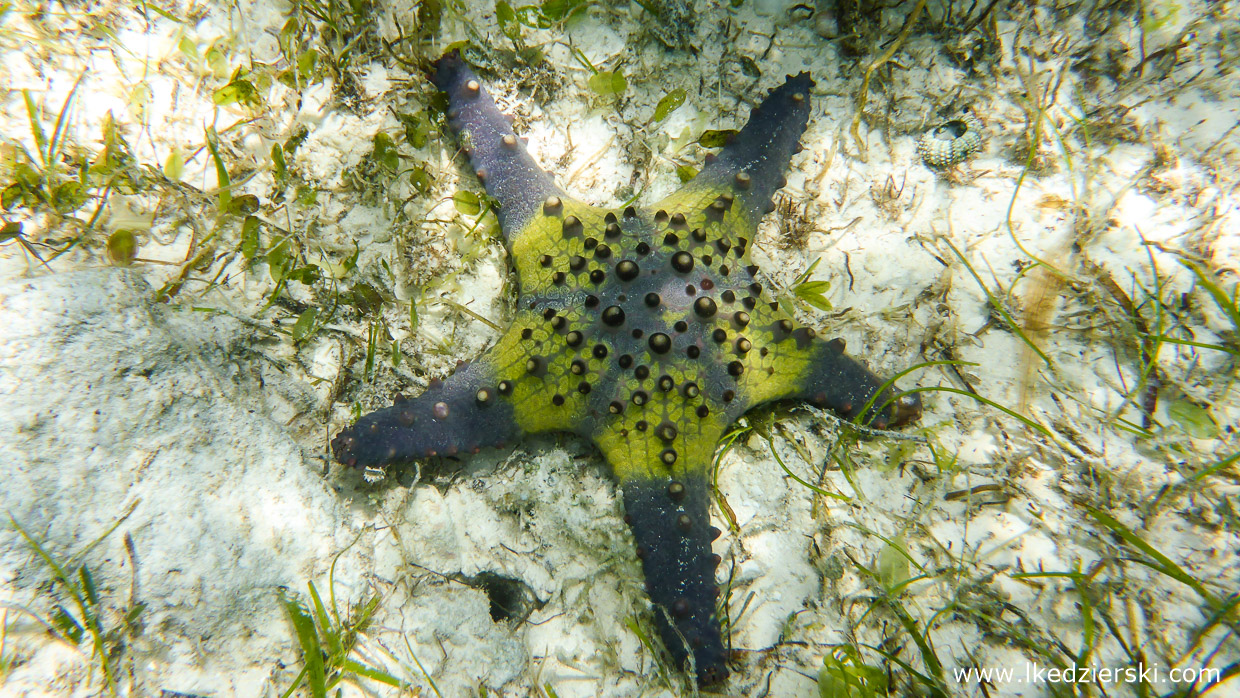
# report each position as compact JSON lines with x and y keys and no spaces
{"x":670,"y":103}
{"x":122,"y":247}
{"x":608,"y":83}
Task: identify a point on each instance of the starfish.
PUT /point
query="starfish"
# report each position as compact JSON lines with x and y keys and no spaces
{"x":645,"y":330}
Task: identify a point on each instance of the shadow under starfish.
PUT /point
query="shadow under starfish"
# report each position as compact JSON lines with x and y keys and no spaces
{"x":645,"y":330}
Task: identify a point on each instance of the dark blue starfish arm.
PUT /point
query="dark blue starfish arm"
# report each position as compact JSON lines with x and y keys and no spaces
{"x":498,"y":156}
{"x":840,"y":383}
{"x":460,"y":415}
{"x":754,"y":161}
{"x":670,"y":522}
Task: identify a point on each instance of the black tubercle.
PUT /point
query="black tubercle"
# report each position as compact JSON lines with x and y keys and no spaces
{"x":460,"y":415}
{"x":670,"y":522}
{"x":511,"y":175}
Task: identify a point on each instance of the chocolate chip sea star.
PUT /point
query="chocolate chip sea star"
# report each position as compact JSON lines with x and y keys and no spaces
{"x":645,"y":330}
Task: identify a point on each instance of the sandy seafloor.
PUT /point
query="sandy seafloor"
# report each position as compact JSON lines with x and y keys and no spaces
{"x":203,"y":425}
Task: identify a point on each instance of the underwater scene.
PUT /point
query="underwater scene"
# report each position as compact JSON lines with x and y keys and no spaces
{"x":575,"y":348}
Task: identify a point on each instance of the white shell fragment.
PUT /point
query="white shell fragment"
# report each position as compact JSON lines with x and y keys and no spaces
{"x":952,"y":142}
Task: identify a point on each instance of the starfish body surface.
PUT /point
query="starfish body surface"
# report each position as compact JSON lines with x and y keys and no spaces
{"x":645,"y":330}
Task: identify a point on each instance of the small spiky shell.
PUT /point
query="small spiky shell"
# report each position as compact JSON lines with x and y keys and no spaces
{"x":952,"y":142}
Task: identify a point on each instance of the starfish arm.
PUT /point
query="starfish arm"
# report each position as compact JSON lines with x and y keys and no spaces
{"x":460,"y":415}
{"x":754,"y":161}
{"x":819,"y":372}
{"x":669,"y":519}
{"x":661,"y":452}
{"x":498,"y":156}
{"x":842,"y":384}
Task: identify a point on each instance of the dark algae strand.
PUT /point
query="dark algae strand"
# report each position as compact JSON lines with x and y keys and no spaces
{"x":646,"y":330}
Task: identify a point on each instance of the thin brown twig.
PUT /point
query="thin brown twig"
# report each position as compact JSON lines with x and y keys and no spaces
{"x":913,"y":16}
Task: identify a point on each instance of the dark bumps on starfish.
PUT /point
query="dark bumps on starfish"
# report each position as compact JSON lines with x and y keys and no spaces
{"x":656,"y":305}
